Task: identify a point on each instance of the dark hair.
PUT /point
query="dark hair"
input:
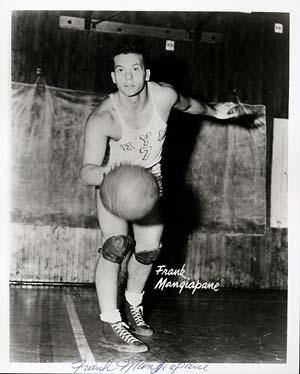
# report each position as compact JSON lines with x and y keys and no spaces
{"x":129,"y":47}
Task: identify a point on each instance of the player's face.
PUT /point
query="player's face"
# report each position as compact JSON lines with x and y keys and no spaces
{"x":129,"y":73}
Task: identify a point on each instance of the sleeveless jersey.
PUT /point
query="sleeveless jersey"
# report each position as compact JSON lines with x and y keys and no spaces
{"x":141,"y":147}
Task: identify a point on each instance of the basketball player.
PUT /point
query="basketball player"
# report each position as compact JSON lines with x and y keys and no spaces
{"x":133,"y":121}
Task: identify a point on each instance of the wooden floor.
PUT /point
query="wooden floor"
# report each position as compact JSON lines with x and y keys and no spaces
{"x":228,"y":326}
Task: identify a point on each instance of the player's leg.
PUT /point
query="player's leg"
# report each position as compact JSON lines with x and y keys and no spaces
{"x":148,"y":239}
{"x":116,"y":243}
{"x":114,"y":249}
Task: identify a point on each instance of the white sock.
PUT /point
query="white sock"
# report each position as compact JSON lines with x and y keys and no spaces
{"x":112,"y":317}
{"x":134,"y":298}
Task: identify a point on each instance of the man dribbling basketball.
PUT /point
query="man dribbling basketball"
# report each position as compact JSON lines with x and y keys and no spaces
{"x":133,"y":122}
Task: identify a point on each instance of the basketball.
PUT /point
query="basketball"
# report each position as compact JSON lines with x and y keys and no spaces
{"x":129,"y":192}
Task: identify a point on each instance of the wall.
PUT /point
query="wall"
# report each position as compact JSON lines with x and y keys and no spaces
{"x":68,"y":255}
{"x":53,"y":253}
{"x":252,"y":59}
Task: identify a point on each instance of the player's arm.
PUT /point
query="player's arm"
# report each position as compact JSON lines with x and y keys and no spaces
{"x":95,"y":141}
{"x":170,"y":98}
{"x":193,"y":106}
{"x":186,"y":104}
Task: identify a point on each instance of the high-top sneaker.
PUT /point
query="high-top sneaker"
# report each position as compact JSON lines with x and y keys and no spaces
{"x":116,"y":336}
{"x":136,"y":321}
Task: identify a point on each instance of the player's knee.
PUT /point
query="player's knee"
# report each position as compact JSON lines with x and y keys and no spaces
{"x":116,"y":247}
{"x":147,"y":257}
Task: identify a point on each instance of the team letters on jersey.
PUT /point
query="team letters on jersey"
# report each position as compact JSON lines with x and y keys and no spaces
{"x":143,"y":144}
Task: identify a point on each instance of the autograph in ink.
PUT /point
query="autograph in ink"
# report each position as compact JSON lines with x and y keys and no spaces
{"x":136,"y":366}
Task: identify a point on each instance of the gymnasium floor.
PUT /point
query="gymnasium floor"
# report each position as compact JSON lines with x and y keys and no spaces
{"x":59,"y":324}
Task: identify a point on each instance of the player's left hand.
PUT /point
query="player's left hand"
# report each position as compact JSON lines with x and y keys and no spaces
{"x":226,"y":110}
{"x":230,"y":110}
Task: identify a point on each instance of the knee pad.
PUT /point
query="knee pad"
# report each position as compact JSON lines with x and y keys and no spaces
{"x":116,"y":247}
{"x":147,"y":257}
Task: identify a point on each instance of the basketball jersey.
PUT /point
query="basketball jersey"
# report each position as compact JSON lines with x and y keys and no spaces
{"x":141,"y":147}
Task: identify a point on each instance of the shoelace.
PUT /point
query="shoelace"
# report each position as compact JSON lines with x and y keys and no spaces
{"x":121,"y":329}
{"x":137,"y":313}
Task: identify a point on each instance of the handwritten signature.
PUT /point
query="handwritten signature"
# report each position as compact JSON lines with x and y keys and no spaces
{"x":131,"y":366}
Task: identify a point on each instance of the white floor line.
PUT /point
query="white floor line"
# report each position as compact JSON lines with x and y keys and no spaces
{"x":82,"y":344}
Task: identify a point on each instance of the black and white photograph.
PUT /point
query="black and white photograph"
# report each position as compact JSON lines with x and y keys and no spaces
{"x":148,"y":194}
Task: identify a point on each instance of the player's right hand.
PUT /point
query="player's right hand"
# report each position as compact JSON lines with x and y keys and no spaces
{"x":117,"y":164}
{"x":110,"y":167}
